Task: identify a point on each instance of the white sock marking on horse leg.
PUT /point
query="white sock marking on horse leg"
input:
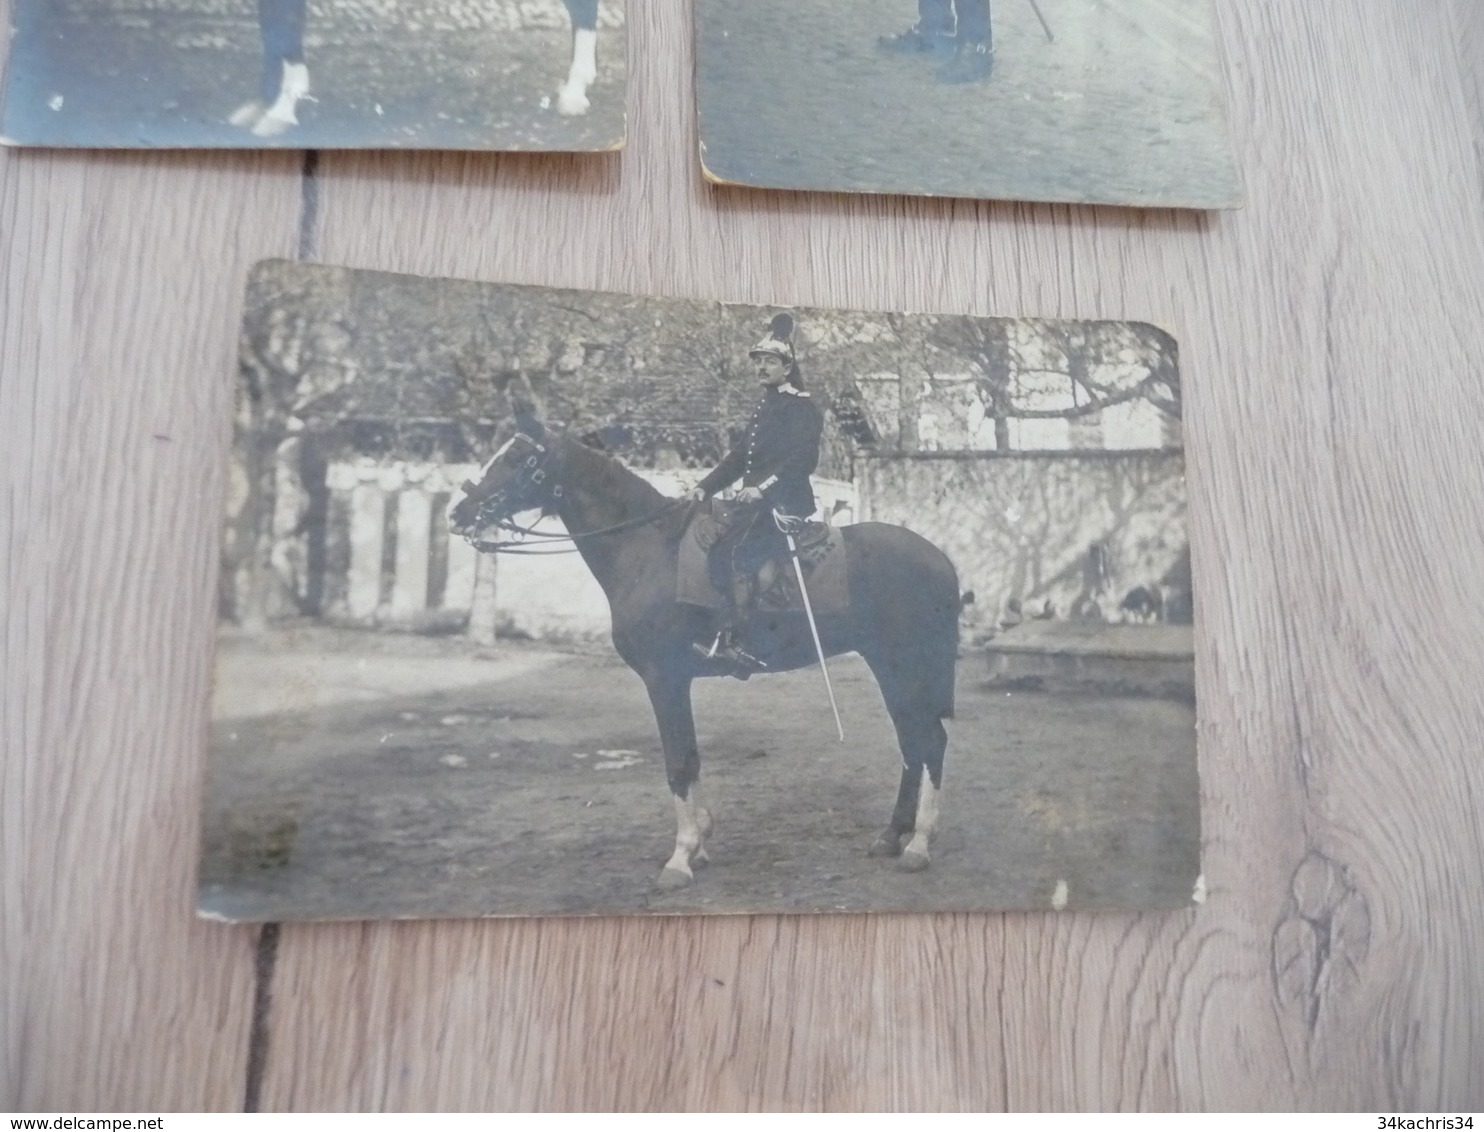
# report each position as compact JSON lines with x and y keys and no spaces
{"x":687,"y":834}
{"x":1059,"y":895}
{"x":291,"y":91}
{"x":703,"y":825}
{"x":927,"y":817}
{"x":585,"y":55}
{"x":572,"y":98}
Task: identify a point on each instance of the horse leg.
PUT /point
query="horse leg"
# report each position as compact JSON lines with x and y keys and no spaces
{"x":889,"y":842}
{"x":583,"y":72}
{"x":923,"y":741}
{"x":928,"y":733}
{"x":670,"y":698}
{"x":271,"y":73}
{"x":285,"y":80}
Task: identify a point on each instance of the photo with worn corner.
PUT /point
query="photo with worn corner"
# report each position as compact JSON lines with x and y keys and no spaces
{"x":1083,"y":101}
{"x":558,"y":602}
{"x":543,"y":75}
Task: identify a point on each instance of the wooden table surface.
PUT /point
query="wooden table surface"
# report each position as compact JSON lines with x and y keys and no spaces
{"x":1333,"y":353}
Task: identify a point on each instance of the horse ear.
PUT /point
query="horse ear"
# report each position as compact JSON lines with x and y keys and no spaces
{"x":527,"y":405}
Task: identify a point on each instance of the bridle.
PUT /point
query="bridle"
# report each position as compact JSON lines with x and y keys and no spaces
{"x":532,"y":474}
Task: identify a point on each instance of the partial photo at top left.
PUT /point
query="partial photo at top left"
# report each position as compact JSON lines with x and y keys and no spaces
{"x":538,"y":75}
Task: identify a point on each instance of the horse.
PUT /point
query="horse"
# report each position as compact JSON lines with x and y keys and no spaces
{"x":284,"y":82}
{"x":902,"y":619}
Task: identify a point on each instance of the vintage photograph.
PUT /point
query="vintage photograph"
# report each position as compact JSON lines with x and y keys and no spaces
{"x":545,"y":602}
{"x":1083,"y":101}
{"x":546,"y":75}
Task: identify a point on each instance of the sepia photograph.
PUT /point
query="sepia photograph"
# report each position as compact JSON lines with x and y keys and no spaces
{"x":1081,"y":101}
{"x":546,"y":602}
{"x":542,"y":75}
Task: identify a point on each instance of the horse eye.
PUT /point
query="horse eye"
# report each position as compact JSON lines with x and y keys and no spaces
{"x":468,"y":487}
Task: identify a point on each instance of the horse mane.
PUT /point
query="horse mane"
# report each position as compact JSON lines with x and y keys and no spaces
{"x":635,"y":495}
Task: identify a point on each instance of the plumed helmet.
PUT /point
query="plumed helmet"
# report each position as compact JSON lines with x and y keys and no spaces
{"x":779,"y":341}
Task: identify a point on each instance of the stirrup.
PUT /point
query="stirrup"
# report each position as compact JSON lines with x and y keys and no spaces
{"x":744,"y":664}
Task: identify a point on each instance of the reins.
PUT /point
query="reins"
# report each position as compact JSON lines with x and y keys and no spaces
{"x":548,"y":537}
{"x":533,"y":474}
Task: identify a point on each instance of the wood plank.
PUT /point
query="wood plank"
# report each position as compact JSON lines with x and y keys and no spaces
{"x":1468,"y":18}
{"x":122,"y":292}
{"x":1326,"y":333}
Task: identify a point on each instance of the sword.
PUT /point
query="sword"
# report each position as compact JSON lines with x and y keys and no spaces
{"x":1044,"y":25}
{"x":793,"y":552}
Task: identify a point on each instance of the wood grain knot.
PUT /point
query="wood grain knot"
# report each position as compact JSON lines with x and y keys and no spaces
{"x":1321,"y":940}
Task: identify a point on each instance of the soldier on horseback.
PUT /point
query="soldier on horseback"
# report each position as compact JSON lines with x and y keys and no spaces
{"x":773,"y":461}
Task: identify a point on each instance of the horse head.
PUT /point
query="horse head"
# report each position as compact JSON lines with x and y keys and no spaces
{"x":520,"y":476}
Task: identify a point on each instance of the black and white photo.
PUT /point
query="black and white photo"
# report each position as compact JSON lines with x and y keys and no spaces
{"x":324,"y":74}
{"x":557,"y":602}
{"x":1083,"y":101}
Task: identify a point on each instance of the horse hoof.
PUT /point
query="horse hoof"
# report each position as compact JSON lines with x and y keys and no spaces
{"x":247,"y":115}
{"x":273,"y":123}
{"x":913,"y":862}
{"x":572,"y":103}
{"x":888,"y":844}
{"x":672,"y":880}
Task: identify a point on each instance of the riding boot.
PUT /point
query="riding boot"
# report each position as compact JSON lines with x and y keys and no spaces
{"x":973,"y":63}
{"x":973,"y":59}
{"x":727,"y":647}
{"x":932,"y":34}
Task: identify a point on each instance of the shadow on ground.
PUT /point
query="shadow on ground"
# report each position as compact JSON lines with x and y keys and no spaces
{"x":541,"y":790}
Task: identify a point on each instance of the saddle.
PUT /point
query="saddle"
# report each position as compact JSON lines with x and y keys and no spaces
{"x":821,"y":550}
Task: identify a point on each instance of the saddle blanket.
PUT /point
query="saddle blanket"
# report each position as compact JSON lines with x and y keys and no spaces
{"x":821,"y":553}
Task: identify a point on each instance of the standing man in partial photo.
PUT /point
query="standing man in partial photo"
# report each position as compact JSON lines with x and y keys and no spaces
{"x":774,"y":461}
{"x":956,"y":31}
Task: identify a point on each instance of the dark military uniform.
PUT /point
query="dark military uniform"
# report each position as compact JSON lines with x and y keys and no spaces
{"x":776,"y":456}
{"x":778,"y":453}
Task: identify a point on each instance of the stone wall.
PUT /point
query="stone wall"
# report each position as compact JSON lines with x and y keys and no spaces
{"x":1076,"y":530}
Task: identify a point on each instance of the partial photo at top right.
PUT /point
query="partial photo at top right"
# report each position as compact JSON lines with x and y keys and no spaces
{"x":1082,"y":101}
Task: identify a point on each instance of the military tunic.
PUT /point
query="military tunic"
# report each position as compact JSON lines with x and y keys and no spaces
{"x":778,"y":453}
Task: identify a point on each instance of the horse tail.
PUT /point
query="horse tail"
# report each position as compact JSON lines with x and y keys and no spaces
{"x":946,"y":642}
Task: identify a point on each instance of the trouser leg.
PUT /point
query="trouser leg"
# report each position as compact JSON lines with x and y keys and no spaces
{"x":935,"y":17}
{"x":973,"y":22}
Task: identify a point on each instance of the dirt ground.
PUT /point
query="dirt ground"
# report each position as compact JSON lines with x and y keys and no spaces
{"x":1123,"y":106}
{"x":541,"y":790}
{"x":165,"y":79}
